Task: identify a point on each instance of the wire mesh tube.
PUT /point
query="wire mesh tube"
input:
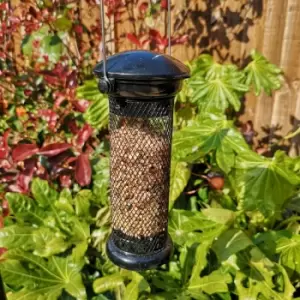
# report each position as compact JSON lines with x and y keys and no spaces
{"x":140,"y":139}
{"x":141,"y":93}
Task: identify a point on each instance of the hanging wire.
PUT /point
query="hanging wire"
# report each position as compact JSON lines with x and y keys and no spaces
{"x":169,"y":27}
{"x":103,"y":39}
{"x":103,"y":34}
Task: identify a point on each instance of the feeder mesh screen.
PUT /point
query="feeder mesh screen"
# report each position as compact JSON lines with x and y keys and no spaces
{"x":140,"y":167}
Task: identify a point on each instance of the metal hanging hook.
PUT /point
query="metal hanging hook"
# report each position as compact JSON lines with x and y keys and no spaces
{"x":105,"y":84}
{"x":169,"y":27}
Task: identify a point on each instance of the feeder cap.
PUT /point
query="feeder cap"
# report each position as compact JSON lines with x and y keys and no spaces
{"x":143,"y":65}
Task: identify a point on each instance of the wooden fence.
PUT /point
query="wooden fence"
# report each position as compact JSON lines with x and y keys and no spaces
{"x":229,"y":29}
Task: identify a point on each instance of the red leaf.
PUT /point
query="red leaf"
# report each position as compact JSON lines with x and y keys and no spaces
{"x":164,"y":4}
{"x":4,"y":6}
{"x":155,"y":33}
{"x":23,"y":180}
{"x":59,"y":159}
{"x":5,"y":208}
{"x":78,"y":29}
{"x":60,"y":70}
{"x":15,"y":189}
{"x":83,"y":170}
{"x":180,"y":40}
{"x":71,"y":81}
{"x":54,"y":149}
{"x":134,"y":39}
{"x":71,"y":160}
{"x":23,"y":151}
{"x":81,"y":105}
{"x":73,"y":127}
{"x":36,"y":44}
{"x":83,"y":135}
{"x":143,"y":7}
{"x":30,"y":165}
{"x":59,"y":98}
{"x":49,"y":116}
{"x":27,"y":92}
{"x":33,"y":12}
{"x":1,"y":225}
{"x":21,"y":186}
{"x":4,"y":145}
{"x":161,"y":41}
{"x":52,"y":80}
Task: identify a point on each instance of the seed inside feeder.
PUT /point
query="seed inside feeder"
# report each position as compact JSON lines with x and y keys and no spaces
{"x":140,"y":161}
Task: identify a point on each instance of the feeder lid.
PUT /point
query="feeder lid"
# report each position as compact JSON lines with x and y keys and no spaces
{"x":143,"y":65}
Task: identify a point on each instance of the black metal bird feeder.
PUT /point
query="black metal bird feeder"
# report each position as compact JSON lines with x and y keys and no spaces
{"x":141,"y":86}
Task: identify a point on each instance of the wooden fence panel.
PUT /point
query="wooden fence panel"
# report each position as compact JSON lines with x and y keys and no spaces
{"x":229,"y":30}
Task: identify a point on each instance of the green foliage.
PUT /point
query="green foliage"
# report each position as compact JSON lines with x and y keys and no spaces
{"x":97,"y":113}
{"x":216,"y":86}
{"x":238,"y":240}
{"x":44,"y":43}
{"x":41,"y":278}
{"x":180,"y":174}
{"x":205,"y":135}
{"x":263,"y":184}
{"x":288,"y":248}
{"x":47,"y":225}
{"x":262,"y":75}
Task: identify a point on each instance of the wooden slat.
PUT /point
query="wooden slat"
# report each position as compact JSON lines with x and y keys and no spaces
{"x":273,"y":31}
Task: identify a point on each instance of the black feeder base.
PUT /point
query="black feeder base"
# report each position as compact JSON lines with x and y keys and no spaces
{"x":139,"y":262}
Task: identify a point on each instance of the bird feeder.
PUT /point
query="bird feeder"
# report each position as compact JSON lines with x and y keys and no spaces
{"x":141,"y":86}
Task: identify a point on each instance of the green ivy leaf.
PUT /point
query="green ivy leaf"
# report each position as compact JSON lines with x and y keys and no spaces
{"x":263,"y":184}
{"x":138,"y":284}
{"x":47,"y":242}
{"x":26,"y":209}
{"x":262,"y":75}
{"x":107,"y":283}
{"x":17,"y":237}
{"x":50,"y":44}
{"x":97,"y":113}
{"x":225,"y":157}
{"x":34,"y":274}
{"x":78,"y":253}
{"x":65,"y":201}
{"x":219,"y":215}
{"x":266,"y":241}
{"x":207,"y":134}
{"x":46,"y":197}
{"x":231,"y":242}
{"x":215,"y":282}
{"x":200,"y":261}
{"x":289,"y":250}
{"x":262,"y":287}
{"x":52,"y":47}
{"x":62,"y":23}
{"x":217,"y":94}
{"x":45,"y":293}
{"x":80,"y":230}
{"x":82,"y":203}
{"x":216,"y":86}
{"x":180,"y":174}
{"x":101,"y":180}
{"x":183,"y":224}
{"x":42,"y":193}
